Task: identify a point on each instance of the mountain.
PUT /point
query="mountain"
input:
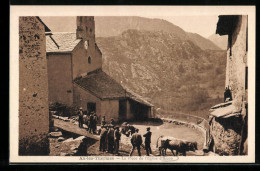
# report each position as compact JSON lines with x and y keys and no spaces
{"x":174,"y":73}
{"x":220,"y":41}
{"x":117,"y":25}
{"x":202,"y":42}
{"x":113,"y":26}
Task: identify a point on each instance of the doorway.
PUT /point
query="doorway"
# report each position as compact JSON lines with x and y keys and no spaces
{"x":91,"y":107}
{"x":122,"y":110}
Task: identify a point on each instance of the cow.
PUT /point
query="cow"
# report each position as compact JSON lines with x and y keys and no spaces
{"x":180,"y":146}
{"x":192,"y":146}
{"x":164,"y":143}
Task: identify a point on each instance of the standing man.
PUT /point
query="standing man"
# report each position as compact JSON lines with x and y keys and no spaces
{"x":95,"y":120}
{"x":91,"y":119}
{"x":110,"y":139}
{"x":80,"y":114}
{"x":112,"y":122}
{"x":147,"y":141}
{"x":117,"y":139}
{"x":136,"y":141}
{"x":103,"y":137}
{"x":103,"y":121}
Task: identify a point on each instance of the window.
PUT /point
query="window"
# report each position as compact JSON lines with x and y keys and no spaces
{"x":86,"y":28}
{"x":86,"y":44}
{"x":90,"y":30}
{"x":89,"y":60}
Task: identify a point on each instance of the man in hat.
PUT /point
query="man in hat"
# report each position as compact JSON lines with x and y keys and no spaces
{"x":117,"y":139}
{"x":110,"y":139}
{"x":91,"y":122}
{"x":112,"y":122}
{"x":80,"y":114}
{"x":103,"y":121}
{"x":147,"y":141}
{"x":95,"y":120}
{"x":136,"y":141}
{"x":103,"y":137}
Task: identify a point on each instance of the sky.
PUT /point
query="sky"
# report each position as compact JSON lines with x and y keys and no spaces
{"x":202,"y":25}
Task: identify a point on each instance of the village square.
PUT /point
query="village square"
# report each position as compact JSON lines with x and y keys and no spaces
{"x":69,"y":106}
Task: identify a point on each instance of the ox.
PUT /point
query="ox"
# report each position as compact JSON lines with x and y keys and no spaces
{"x":180,"y":146}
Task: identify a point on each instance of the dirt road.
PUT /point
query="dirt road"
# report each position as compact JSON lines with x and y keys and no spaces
{"x":167,"y":129}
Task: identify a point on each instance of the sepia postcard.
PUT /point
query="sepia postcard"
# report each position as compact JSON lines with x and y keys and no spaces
{"x":132,"y":84}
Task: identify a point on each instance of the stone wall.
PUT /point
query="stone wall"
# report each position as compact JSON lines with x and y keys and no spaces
{"x":237,"y":62}
{"x":33,"y":88}
{"x":226,"y":134}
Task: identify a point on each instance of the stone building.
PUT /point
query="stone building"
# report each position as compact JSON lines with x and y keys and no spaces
{"x":228,"y":124}
{"x":33,"y":88}
{"x":76,"y":78}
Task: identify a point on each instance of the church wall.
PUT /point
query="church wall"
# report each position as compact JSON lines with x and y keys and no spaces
{"x":80,"y":60}
{"x":237,"y":62}
{"x":60,"y":78}
{"x":110,"y":109}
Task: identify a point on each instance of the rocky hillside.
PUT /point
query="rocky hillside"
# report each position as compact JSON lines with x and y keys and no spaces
{"x":114,"y":26}
{"x":175,"y":74}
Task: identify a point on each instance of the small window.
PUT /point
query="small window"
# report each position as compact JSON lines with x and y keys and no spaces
{"x":86,"y":28}
{"x":89,"y":60}
{"x":86,"y":44}
{"x":90,"y":30}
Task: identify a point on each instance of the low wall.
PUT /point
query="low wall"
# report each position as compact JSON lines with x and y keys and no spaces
{"x":189,"y":125}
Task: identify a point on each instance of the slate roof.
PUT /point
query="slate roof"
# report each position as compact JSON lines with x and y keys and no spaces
{"x":224,"y":110}
{"x":104,"y":87}
{"x":138,"y":98}
{"x":61,"y":42}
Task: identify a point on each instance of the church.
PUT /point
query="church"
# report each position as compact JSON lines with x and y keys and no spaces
{"x":75,"y":76}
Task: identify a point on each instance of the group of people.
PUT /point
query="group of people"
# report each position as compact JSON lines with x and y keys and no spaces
{"x":136,"y":141}
{"x":90,"y":119}
{"x":110,"y":135}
